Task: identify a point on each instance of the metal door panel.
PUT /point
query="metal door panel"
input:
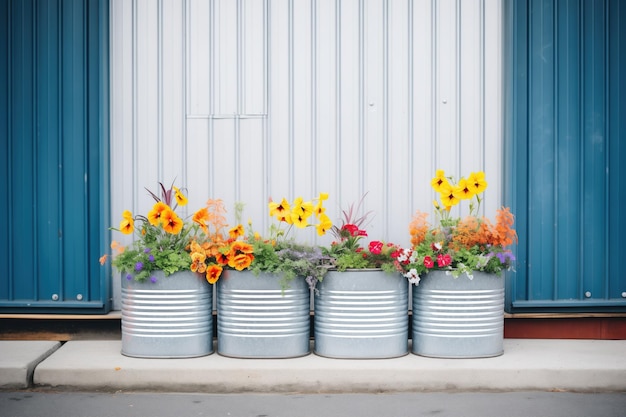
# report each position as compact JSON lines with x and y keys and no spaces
{"x":55,"y":129}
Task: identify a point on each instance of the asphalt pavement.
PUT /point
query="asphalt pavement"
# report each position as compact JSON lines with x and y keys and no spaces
{"x":474,"y":404}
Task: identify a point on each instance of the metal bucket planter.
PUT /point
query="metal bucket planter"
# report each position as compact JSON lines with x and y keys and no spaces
{"x":458,"y":318}
{"x":256,"y":318}
{"x":361,"y":314}
{"x":170,"y":318}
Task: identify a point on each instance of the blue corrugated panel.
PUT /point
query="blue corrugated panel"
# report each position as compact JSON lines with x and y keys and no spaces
{"x":565,"y":112}
{"x":54,"y":128}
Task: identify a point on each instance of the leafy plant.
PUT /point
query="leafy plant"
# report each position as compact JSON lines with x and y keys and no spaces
{"x":276,"y":253}
{"x":280,"y":253}
{"x":162,"y":238}
{"x":458,"y":245}
{"x":346,"y":251}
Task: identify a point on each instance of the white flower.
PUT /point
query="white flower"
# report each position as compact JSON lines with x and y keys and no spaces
{"x":404,"y":255}
{"x":413,"y":277}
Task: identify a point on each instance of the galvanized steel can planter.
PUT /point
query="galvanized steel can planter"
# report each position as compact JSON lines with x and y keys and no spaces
{"x":458,"y":318}
{"x":257,"y":318}
{"x":361,"y":314}
{"x":169,"y":318}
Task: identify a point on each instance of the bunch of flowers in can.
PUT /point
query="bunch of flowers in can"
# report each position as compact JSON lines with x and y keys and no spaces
{"x":458,"y":245}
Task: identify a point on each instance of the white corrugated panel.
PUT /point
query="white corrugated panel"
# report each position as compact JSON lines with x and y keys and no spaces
{"x":250,"y":99}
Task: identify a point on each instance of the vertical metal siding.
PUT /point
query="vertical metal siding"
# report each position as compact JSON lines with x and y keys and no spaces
{"x":5,"y":145}
{"x":280,"y":98}
{"x":616,"y":151}
{"x":565,"y":108}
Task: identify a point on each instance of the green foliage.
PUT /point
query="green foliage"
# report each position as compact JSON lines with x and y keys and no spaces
{"x":290,"y":260}
{"x":157,"y":250}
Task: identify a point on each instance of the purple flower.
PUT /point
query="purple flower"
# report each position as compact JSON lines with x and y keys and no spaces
{"x":146,"y":250}
{"x":153,"y":279}
{"x":129,"y":277}
{"x":504,"y":257}
{"x":151,"y":258}
{"x":138,"y":266}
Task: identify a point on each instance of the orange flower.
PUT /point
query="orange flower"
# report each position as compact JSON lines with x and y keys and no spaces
{"x":241,"y":261}
{"x":240,"y":255}
{"x":197,"y":263}
{"x":172,"y":224}
{"x":418,"y":228}
{"x":221,"y":258}
{"x":155,"y":215}
{"x":504,"y":234}
{"x":213,"y":273}
{"x":103,"y":259}
{"x":117,"y":247}
{"x":241,"y":247}
{"x":236,"y":231}
{"x":201,"y":217}
{"x":470,"y":232}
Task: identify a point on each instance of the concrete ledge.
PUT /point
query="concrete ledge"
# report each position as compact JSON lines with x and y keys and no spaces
{"x":18,"y":360}
{"x":527,"y":364}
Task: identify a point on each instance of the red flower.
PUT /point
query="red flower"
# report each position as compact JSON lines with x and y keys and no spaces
{"x":352,"y":229}
{"x":428,"y":262}
{"x":444,"y":260}
{"x":376,"y":247}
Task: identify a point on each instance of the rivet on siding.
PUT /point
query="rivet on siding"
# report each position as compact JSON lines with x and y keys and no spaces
{"x":444,"y":101}
{"x":372,"y":104}
{"x":55,"y":297}
{"x":79,"y":297}
{"x":624,"y":294}
{"x":588,"y":294}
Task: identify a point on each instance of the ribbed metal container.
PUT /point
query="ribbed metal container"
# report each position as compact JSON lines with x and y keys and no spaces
{"x":361,"y":314}
{"x":170,"y":318}
{"x":256,"y":318}
{"x":458,"y":318}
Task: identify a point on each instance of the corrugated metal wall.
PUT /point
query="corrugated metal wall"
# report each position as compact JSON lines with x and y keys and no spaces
{"x":566,"y":133}
{"x":53,"y":155}
{"x":247,"y":99}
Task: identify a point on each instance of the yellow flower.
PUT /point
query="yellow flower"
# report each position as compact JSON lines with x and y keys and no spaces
{"x":279,"y":210}
{"x":127,"y":215}
{"x":180,"y":197}
{"x":324,"y":225}
{"x":450,"y":195}
{"x":439,"y":180}
{"x":319,"y":210}
{"x":323,"y":197}
{"x":477,"y":182}
{"x":299,"y":221}
{"x":303,"y":209}
{"x":127,"y":225}
{"x":466,"y":189}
